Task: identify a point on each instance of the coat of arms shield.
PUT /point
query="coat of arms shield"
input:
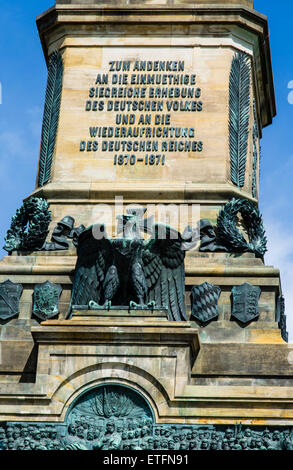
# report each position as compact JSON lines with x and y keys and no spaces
{"x":245,"y":302}
{"x":10,"y":294}
{"x":46,"y":300}
{"x":204,"y":302}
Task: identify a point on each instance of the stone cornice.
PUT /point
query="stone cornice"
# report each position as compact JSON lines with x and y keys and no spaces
{"x":69,"y":15}
{"x":103,"y":192}
{"x":152,"y":13}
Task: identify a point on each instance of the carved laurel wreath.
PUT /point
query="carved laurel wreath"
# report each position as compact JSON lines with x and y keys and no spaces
{"x":230,"y":236}
{"x":29,"y":227}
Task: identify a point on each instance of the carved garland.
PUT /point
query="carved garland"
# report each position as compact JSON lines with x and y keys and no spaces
{"x":51,"y":117}
{"x":29,"y":227}
{"x":229,"y":235}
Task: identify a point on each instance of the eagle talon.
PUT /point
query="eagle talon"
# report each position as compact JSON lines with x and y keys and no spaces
{"x":134,"y":306}
{"x":107,"y":304}
{"x":93,"y":305}
{"x":152,"y":305}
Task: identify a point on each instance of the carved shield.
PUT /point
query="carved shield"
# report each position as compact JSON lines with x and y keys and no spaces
{"x":46,"y":300}
{"x":204,"y":302}
{"x":10,"y":294}
{"x":245,"y":302}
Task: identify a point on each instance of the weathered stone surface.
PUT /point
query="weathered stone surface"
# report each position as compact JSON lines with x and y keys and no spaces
{"x":258,"y":359}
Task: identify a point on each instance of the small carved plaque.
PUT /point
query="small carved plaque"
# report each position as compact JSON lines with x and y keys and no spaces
{"x":10,"y":294}
{"x":204,"y":300}
{"x":245,"y":302}
{"x":46,"y":300}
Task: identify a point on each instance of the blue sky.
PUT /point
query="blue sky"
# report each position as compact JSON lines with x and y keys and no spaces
{"x":23,"y":77}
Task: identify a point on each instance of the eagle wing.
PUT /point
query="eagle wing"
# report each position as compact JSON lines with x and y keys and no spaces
{"x":93,"y":260}
{"x":163,"y":262}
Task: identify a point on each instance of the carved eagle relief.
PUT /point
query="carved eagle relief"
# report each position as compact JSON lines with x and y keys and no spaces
{"x":131,"y":271}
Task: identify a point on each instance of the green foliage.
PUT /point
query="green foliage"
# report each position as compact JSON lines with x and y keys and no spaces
{"x":229,"y":235}
{"x":29,"y":227}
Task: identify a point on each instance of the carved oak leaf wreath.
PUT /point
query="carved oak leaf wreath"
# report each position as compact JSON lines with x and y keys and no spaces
{"x":29,"y":227}
{"x":229,"y":235}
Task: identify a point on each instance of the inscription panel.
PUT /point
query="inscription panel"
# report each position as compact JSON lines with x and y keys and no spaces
{"x":142,"y":97}
{"x":144,"y":114}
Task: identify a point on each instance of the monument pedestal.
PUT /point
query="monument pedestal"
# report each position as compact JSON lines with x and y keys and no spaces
{"x":185,"y":382}
{"x":155,"y":356}
{"x":153,"y":104}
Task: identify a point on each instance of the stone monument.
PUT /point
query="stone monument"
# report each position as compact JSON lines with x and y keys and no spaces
{"x":169,"y":332}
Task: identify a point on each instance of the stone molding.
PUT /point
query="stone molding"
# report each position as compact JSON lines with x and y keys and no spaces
{"x":171,"y":15}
